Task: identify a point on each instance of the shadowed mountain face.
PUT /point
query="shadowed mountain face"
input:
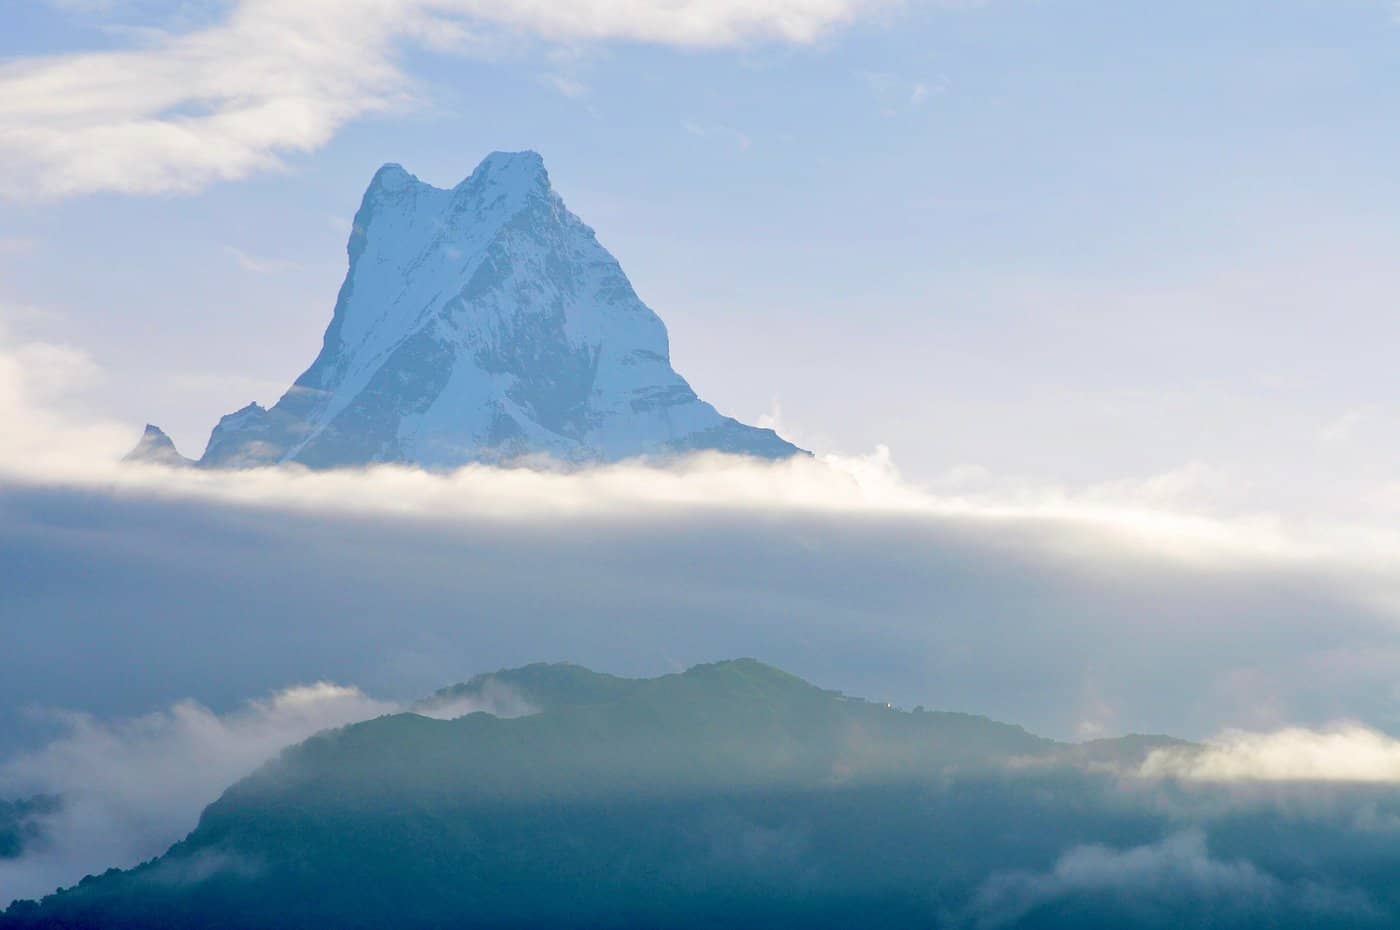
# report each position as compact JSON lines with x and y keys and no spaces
{"x":730,"y":795}
{"x":481,"y":323}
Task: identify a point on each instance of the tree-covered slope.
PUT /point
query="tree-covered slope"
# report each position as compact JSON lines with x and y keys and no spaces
{"x":732,"y":794}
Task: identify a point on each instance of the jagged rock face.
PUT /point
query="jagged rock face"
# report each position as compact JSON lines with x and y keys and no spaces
{"x":482,"y":323}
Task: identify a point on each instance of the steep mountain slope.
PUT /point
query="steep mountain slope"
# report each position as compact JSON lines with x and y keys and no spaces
{"x":482,"y":323}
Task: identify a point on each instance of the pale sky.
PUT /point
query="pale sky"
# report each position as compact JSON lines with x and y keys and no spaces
{"x":1122,"y":249}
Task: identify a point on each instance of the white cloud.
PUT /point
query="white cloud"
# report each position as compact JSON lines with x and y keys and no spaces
{"x":257,"y":264}
{"x":273,"y":78}
{"x":1149,"y":884}
{"x":832,"y":568}
{"x":131,"y":787}
{"x":1342,"y":753}
{"x":570,"y":87}
{"x":705,"y":482}
{"x":678,"y":22}
{"x":894,"y":94}
{"x":38,"y":383}
{"x":494,"y":697}
{"x":704,"y":131}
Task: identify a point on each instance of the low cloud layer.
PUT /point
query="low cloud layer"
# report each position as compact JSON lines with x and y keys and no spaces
{"x":270,"y":79}
{"x":132,"y":589}
{"x":129,"y":588}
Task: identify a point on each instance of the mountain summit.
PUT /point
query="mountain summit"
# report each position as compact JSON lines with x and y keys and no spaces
{"x":481,"y":323}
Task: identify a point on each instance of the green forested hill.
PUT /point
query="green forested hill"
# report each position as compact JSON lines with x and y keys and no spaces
{"x":732,"y":794}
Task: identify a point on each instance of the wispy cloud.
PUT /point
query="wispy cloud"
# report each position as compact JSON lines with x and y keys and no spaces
{"x":38,"y":382}
{"x":565,"y":84}
{"x":273,"y":79}
{"x":895,"y":94}
{"x":258,"y":264}
{"x":1342,"y":753}
{"x":740,"y":140}
{"x":1174,"y":882}
{"x":131,"y":787}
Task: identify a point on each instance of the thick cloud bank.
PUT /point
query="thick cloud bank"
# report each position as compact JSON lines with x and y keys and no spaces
{"x":129,"y":588}
{"x":142,"y":588}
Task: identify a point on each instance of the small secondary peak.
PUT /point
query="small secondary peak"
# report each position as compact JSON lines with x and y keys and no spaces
{"x":156,"y":448}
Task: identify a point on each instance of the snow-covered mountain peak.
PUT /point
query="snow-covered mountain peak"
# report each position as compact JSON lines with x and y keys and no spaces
{"x":513,"y":171}
{"x":482,"y":322}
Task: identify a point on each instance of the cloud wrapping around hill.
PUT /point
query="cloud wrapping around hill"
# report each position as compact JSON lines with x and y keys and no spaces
{"x":1341,"y":753}
{"x":130,"y":787}
{"x":270,"y":79}
{"x":1175,"y":882}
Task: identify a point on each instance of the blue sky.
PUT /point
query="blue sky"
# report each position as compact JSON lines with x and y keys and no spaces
{"x":1054,"y":244}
